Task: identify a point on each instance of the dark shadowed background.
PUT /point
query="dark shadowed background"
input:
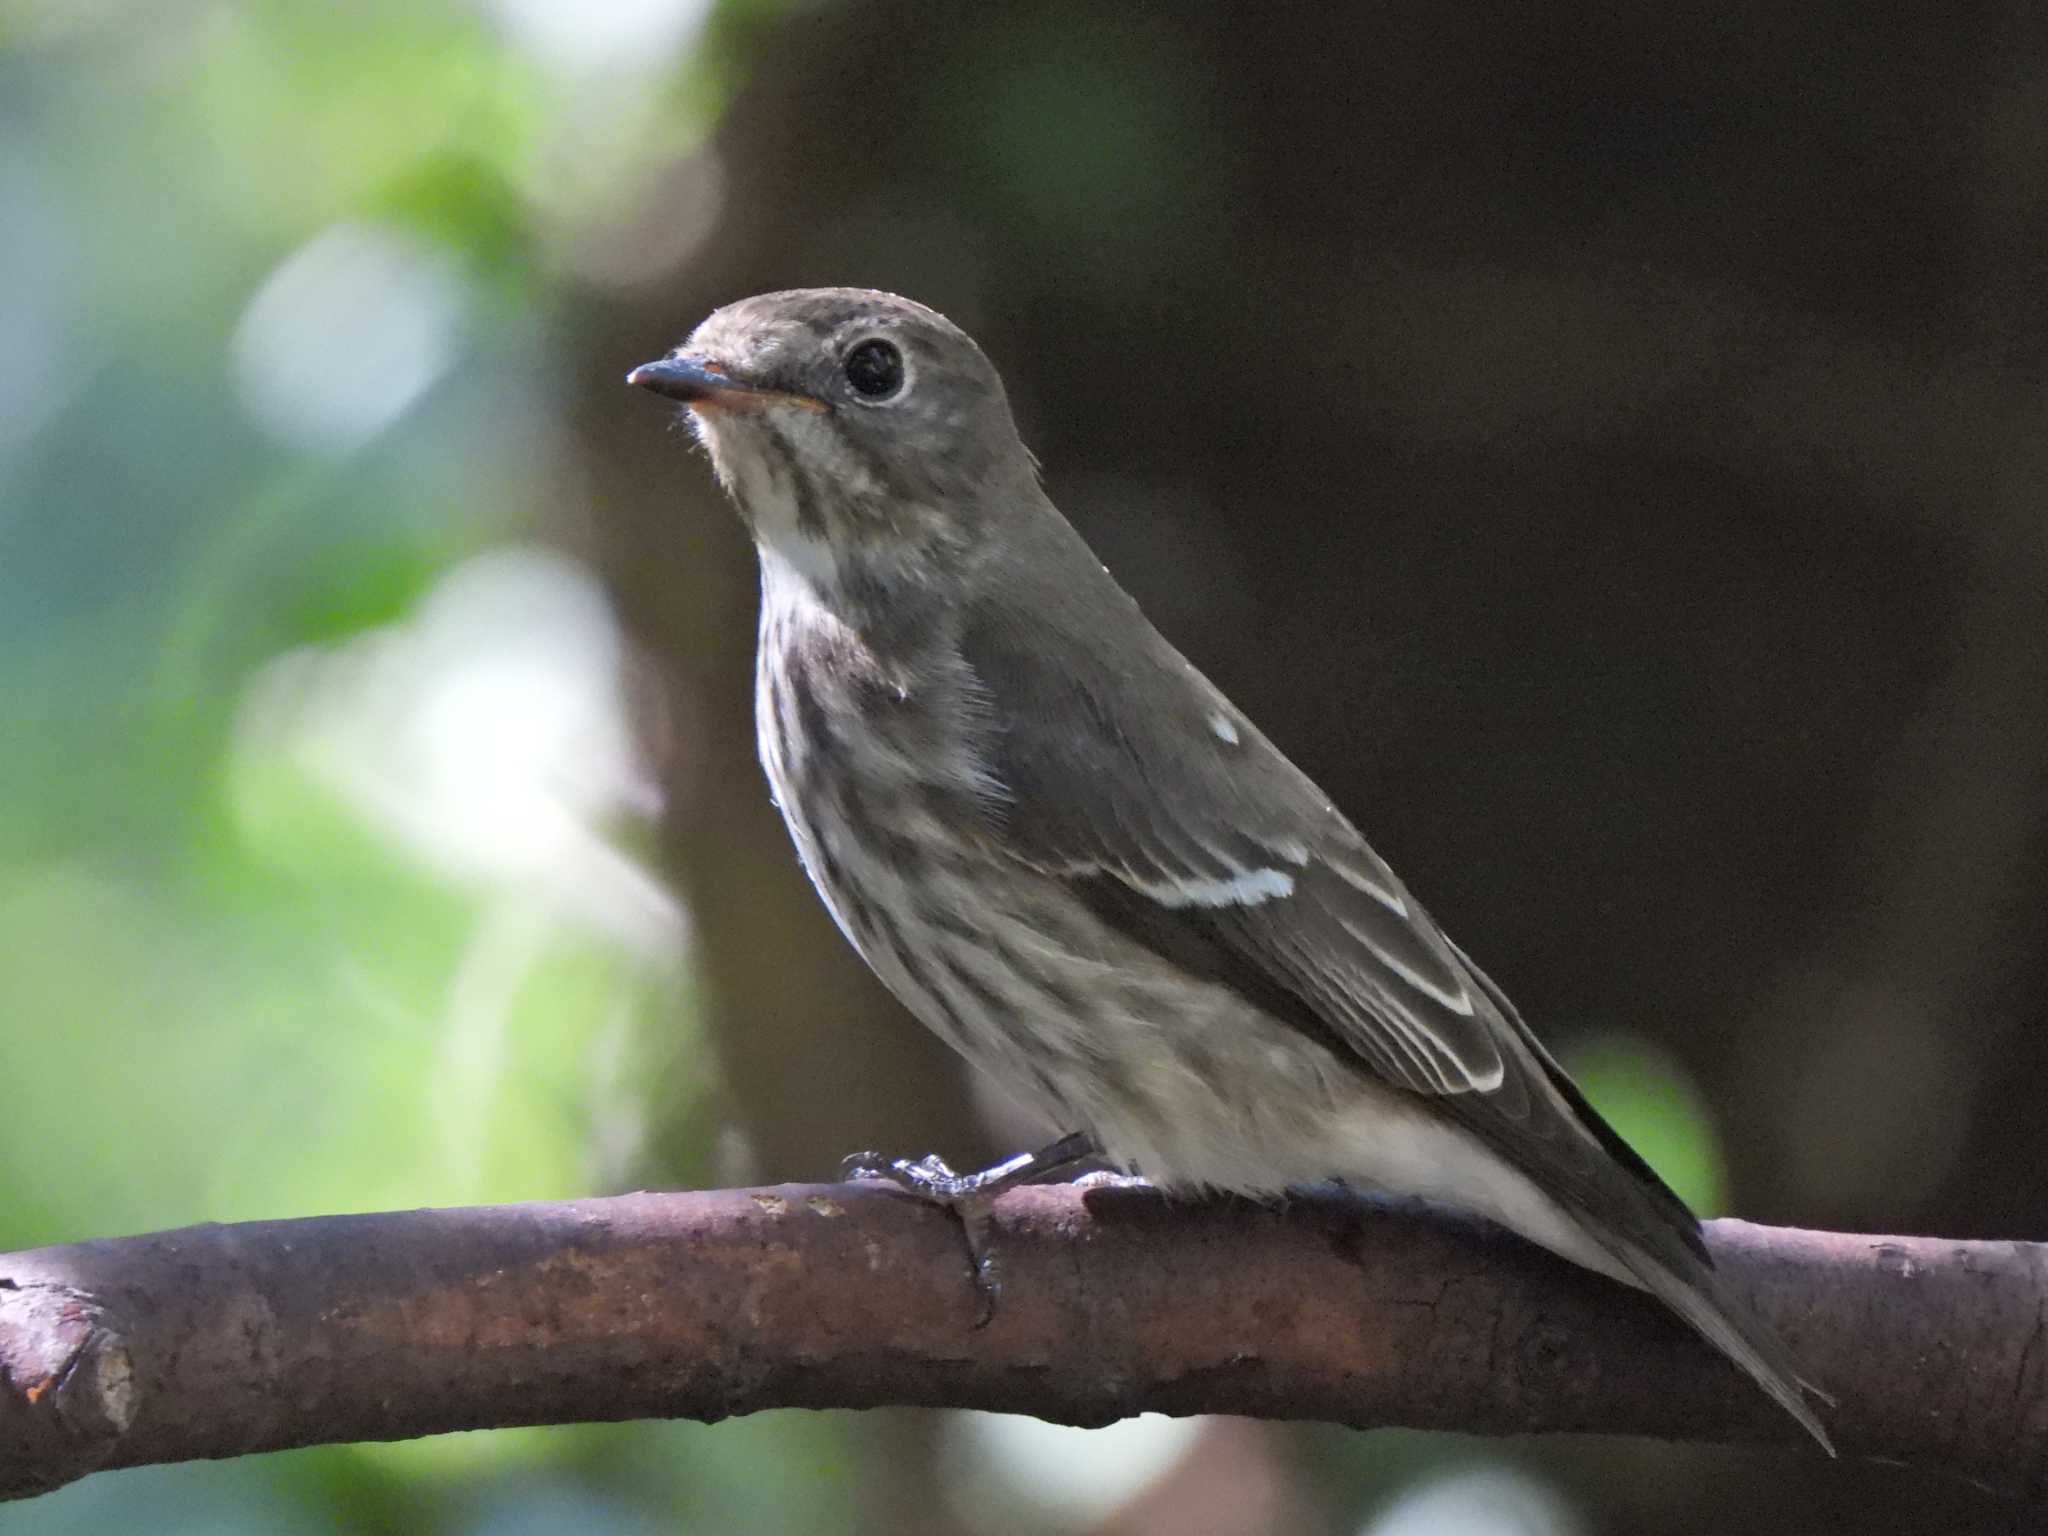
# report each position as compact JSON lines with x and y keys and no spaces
{"x":1608,"y":451}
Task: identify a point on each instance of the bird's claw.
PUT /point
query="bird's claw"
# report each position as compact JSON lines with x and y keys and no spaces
{"x":929,"y":1176}
{"x":970,"y":1197}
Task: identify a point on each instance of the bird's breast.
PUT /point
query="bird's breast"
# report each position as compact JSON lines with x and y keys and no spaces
{"x":873,"y":764}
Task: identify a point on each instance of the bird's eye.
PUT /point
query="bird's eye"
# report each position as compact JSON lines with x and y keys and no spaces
{"x":875,"y":369}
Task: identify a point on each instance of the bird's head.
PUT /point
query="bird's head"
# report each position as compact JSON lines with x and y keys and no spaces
{"x":849,"y":425}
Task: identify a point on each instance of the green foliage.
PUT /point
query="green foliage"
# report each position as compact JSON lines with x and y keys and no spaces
{"x":230,"y":985}
{"x":1648,"y":1098}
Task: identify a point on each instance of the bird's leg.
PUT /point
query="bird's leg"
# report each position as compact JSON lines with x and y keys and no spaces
{"x":970,"y":1197}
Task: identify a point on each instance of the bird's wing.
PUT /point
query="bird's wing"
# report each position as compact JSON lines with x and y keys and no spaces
{"x":1123,"y":772}
{"x":1182,"y":827}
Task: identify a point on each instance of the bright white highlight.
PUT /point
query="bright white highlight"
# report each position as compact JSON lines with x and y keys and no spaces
{"x":629,"y":35}
{"x":345,"y":336}
{"x":488,"y":735}
{"x":1481,"y":1501}
{"x":1073,"y":1479}
{"x":1245,"y":890}
{"x":1224,"y":727}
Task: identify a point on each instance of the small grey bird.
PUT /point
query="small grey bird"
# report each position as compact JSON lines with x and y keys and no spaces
{"x":1080,"y":864}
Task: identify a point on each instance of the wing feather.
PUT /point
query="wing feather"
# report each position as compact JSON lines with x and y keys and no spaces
{"x":1207,"y":846}
{"x":1222,"y":857}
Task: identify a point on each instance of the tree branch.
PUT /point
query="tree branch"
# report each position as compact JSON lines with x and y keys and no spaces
{"x":220,"y":1340}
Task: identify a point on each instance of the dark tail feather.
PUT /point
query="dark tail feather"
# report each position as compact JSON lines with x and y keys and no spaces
{"x":1657,"y":1238}
{"x":1695,"y":1293}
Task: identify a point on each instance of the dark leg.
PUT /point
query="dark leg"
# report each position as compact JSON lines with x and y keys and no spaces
{"x":969,"y":1196}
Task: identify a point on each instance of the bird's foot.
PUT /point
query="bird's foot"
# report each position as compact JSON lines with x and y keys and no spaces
{"x":971,"y":1197}
{"x":931,"y":1177}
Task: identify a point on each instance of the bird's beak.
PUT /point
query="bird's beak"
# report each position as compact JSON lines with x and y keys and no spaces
{"x":701,"y":381}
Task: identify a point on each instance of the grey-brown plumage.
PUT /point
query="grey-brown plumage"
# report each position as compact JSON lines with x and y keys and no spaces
{"x":1079,"y":863}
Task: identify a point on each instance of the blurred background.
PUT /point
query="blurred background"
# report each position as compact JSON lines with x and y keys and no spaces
{"x":1608,"y":450}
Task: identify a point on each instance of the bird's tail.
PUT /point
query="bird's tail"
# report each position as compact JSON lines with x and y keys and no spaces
{"x":1691,"y":1288}
{"x":1623,"y":1209}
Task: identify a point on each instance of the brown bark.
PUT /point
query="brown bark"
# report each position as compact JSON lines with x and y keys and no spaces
{"x":221,"y":1340}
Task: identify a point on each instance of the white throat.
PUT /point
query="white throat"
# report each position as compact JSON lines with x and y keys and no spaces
{"x":761,"y":480}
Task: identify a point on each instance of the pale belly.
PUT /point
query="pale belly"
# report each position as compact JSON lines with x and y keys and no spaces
{"x":1179,"y":1079}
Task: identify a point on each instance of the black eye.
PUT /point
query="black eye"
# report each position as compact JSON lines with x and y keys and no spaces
{"x":874,"y":369}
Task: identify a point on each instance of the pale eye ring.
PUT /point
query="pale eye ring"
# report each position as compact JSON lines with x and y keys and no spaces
{"x":874,"y":370}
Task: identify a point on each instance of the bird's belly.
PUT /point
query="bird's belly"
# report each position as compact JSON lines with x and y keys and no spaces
{"x":1179,"y":1078}
{"x":1259,"y":1118}
{"x":1176,"y":1076}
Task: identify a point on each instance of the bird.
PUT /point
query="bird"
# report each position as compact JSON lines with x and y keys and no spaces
{"x":1086,"y":869}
